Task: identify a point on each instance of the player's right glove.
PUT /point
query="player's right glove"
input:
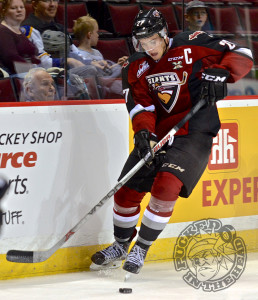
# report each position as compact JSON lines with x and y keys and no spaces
{"x":214,"y":85}
{"x":144,"y":141}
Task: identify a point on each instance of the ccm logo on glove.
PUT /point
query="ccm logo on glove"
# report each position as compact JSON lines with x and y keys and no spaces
{"x":213,"y":85}
{"x":213,"y":78}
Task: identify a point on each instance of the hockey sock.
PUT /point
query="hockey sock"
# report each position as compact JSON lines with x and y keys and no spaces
{"x":152,"y":225}
{"x":158,"y":212}
{"x":126,"y":213}
{"x":124,"y":225}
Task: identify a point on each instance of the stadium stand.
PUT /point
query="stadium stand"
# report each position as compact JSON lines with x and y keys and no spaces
{"x":234,"y":19}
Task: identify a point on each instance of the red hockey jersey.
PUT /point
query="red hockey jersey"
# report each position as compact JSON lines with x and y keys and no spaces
{"x":160,"y":93}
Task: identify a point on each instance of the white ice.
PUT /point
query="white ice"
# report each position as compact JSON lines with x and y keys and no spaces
{"x":156,"y":281}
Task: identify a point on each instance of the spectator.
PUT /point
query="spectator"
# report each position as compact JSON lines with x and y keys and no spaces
{"x":40,"y":27}
{"x":40,"y":21}
{"x":196,"y":15}
{"x":43,"y":17}
{"x":15,"y":47}
{"x":38,"y":85}
{"x":86,"y":31}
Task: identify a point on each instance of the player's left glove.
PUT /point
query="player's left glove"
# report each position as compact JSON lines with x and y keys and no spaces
{"x":214,"y":85}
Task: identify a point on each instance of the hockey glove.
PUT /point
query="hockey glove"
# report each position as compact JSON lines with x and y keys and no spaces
{"x":144,"y":142}
{"x":214,"y":86}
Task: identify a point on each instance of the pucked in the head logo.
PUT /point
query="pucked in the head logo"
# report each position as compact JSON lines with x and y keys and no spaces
{"x":211,"y":254}
{"x":166,"y":87}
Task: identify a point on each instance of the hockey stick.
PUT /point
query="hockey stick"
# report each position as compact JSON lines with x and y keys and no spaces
{"x":23,"y":256}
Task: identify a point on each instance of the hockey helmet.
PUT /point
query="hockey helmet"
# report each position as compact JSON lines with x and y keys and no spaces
{"x":146,"y":24}
{"x":54,"y":41}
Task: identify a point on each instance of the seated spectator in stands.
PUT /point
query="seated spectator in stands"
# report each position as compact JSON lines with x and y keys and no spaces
{"x":38,"y":85}
{"x":43,"y":16}
{"x":42,"y":22}
{"x":196,"y":16}
{"x":86,"y":32}
{"x":15,"y":47}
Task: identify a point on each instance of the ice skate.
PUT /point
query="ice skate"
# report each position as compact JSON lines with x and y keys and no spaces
{"x":135,"y":259}
{"x":110,"y":257}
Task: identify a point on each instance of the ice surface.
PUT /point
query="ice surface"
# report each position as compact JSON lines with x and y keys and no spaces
{"x":157,"y":280}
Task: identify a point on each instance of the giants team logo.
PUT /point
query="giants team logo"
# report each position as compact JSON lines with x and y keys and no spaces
{"x":166,"y":87}
{"x":224,"y":153}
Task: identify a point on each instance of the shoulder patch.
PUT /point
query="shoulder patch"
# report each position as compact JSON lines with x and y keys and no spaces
{"x":195,"y":35}
{"x":125,"y":64}
{"x":142,"y":68}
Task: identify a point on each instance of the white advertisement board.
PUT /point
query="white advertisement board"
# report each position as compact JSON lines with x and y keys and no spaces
{"x":61,"y":160}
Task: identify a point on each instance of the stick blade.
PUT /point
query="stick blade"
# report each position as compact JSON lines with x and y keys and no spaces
{"x":19,"y":256}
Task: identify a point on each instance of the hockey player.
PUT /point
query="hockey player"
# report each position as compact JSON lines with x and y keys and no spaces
{"x":161,"y":82}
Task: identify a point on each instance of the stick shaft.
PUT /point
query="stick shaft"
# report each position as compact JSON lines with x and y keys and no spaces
{"x":40,"y":256}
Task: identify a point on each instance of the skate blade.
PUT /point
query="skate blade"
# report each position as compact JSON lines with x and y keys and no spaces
{"x":111,"y":265}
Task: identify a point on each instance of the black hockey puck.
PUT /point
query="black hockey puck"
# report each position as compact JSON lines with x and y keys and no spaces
{"x":125,"y":290}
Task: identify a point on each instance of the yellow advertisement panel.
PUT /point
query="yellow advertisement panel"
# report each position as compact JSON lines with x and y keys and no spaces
{"x":229,"y":185}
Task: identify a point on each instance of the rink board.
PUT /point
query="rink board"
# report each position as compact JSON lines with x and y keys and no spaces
{"x":69,"y":155}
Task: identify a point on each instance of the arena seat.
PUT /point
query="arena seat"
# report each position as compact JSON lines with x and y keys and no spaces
{"x":74,"y":11}
{"x":113,"y":48}
{"x":179,"y":2}
{"x":225,"y":20}
{"x":7,"y":90}
{"x":29,"y":9}
{"x":236,"y":2}
{"x":178,"y":13}
{"x":249,"y":19}
{"x":172,"y":2}
{"x":122,"y":17}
